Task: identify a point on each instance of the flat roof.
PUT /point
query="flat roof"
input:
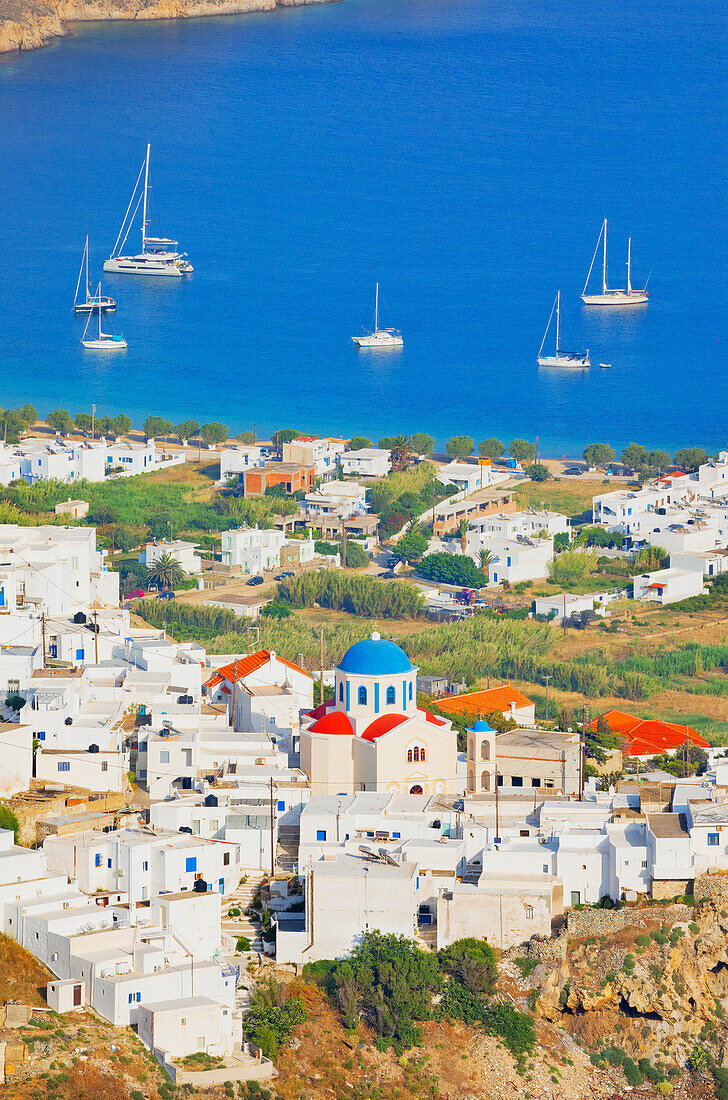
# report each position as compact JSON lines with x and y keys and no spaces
{"x":668,"y":826}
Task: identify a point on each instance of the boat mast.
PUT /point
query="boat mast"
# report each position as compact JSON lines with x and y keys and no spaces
{"x":629,"y":265}
{"x":548,"y":326}
{"x":80,"y":273}
{"x":558,"y":320}
{"x":86,"y":255}
{"x":604,"y":262}
{"x":376,"y":310}
{"x":144,"y":210}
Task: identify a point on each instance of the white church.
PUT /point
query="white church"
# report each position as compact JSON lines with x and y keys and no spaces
{"x":372,"y":736}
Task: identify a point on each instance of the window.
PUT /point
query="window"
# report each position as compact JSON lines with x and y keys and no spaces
{"x":409,"y":756}
{"x":54,"y":956}
{"x":138,"y":996}
{"x":97,"y":859}
{"x":535,"y":782}
{"x":523,"y":832}
{"x":145,"y":865}
{"x":417,"y":789}
{"x":64,"y":766}
{"x":183,"y":1021}
{"x":191,"y":863}
{"x":362,"y":696}
{"x":195,"y":826}
{"x":390,"y":697}
{"x":500,"y":780}
{"x":545,"y":868}
{"x":410,"y":691}
{"x":321,"y":834}
{"x":341,"y":691}
{"x":485,"y":751}
{"x":516,"y":780}
{"x":396,"y":836}
{"x":108,"y":863}
{"x":281,"y":805}
{"x":417,"y":753}
{"x":104,"y":765}
{"x":644,"y":864}
{"x":528,"y":912}
{"x":422,"y":756}
{"x":79,"y":654}
{"x":13,"y":687}
{"x":226,"y":859}
{"x":713,"y":839}
{"x":41,"y":735}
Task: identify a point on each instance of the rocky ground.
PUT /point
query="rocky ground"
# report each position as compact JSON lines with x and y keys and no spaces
{"x":29,"y":24}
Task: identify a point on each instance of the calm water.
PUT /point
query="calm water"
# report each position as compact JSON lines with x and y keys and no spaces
{"x":461,"y":152}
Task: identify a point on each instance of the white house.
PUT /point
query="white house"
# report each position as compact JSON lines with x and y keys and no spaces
{"x":465,"y":476}
{"x":235,"y":460}
{"x":323,"y":454}
{"x":183,"y":552}
{"x":249,"y":676}
{"x":711,"y":563}
{"x":337,"y":498}
{"x":666,"y":586}
{"x":508,"y":525}
{"x":253,"y":550}
{"x":567,"y":604}
{"x":53,"y":569}
{"x":520,"y":559}
{"x":366,"y":462}
{"x":190,"y":1024}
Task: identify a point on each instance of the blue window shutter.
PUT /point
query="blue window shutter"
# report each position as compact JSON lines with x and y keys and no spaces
{"x":281,"y":805}
{"x":396,"y":836}
{"x":191,"y":863}
{"x":347,"y":695}
{"x":341,"y":691}
{"x":79,"y":654}
{"x":376,"y":698}
{"x":321,"y":834}
{"x":404,"y":695}
{"x":41,"y":735}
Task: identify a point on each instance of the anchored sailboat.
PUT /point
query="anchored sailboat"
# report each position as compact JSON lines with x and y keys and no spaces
{"x":159,"y":255}
{"x":104,"y":341}
{"x":91,"y":301}
{"x":381,"y":337}
{"x":613,"y":297}
{"x":560,"y":358}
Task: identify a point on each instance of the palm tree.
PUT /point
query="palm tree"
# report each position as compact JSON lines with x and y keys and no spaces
{"x":486,"y":560}
{"x":463,"y":528}
{"x":165,"y":572}
{"x":399,"y":451}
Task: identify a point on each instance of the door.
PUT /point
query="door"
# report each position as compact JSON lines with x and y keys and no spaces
{"x":575,"y":897}
{"x":76,"y":996}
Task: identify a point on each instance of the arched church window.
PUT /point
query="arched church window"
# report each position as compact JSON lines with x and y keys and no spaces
{"x":410,"y":691}
{"x":390,"y":697}
{"x":417,"y":789}
{"x":485,"y":751}
{"x":362,"y":696}
{"x":417,"y":754}
{"x":409,"y":756}
{"x":341,"y":691}
{"x":422,"y":755}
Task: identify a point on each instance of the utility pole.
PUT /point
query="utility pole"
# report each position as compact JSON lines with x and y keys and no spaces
{"x":235,"y":684}
{"x":272,"y":829}
{"x":685,"y":751}
{"x":497,"y":822}
{"x":43,"y":635}
{"x":93,"y":421}
{"x":343,"y":541}
{"x":96,"y":637}
{"x":321,"y":692}
{"x":563,"y":621}
{"x":547,"y":678}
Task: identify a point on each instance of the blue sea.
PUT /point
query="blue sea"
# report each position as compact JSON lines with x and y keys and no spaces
{"x":463,"y":153}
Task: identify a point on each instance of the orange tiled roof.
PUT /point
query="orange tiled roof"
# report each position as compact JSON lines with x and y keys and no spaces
{"x":650,"y":736}
{"x":485,"y":702}
{"x":244,"y":666}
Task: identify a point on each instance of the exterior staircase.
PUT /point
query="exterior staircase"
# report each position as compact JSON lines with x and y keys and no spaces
{"x":287,"y":854}
{"x":242,"y":898}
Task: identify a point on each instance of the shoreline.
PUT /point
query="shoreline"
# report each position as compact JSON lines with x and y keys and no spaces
{"x":32,"y":24}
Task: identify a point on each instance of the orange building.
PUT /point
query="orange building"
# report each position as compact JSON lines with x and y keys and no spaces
{"x":292,"y":476}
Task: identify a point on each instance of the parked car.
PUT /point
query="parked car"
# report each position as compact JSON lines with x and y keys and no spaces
{"x":574,"y":471}
{"x":255,"y":580}
{"x":286,"y":573}
{"x":135,"y":595}
{"x":391,"y":562}
{"x":166,"y":596}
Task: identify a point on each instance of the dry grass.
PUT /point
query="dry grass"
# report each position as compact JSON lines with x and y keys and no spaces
{"x":22,"y":978}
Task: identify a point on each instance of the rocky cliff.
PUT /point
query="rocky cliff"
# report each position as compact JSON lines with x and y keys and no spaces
{"x":28,"y":24}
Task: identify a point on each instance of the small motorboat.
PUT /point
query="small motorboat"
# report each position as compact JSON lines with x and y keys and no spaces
{"x":605,"y":366}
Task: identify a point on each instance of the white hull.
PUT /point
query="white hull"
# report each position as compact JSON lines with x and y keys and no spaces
{"x":571,"y":361}
{"x":105,"y":345}
{"x":106,"y":305}
{"x":141,"y":265}
{"x":379,"y":340}
{"x":616,"y":298}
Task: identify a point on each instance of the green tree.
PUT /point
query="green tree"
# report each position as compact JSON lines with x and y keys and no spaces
{"x":689,"y":458}
{"x":411,"y":546}
{"x":103,"y":514}
{"x":15,"y":701}
{"x":188,"y":429}
{"x":635,"y":456}
{"x":492,"y":448}
{"x":273,"y":1016}
{"x":83,"y":421}
{"x":286,"y":435}
{"x":125,"y":539}
{"x":13,"y":422}
{"x":472,"y":962}
{"x":522,"y":450}
{"x":571,"y":566}
{"x":358,"y":442}
{"x":213,"y":433}
{"x":160,"y":526}
{"x":422,"y":443}
{"x":659,"y":461}
{"x":165,"y":572}
{"x":451,"y":569}
{"x":246,"y":437}
{"x":538,"y":472}
{"x":459,"y":447}
{"x":155,"y":426}
{"x":598,"y":454}
{"x":8,"y":820}
{"x":485,"y":560}
{"x":60,"y":420}
{"x":463,"y":528}
{"x":649,"y":559}
{"x":400,"y":451}
{"x":387,"y":442}
{"x":121,"y":424}
{"x":356,"y":556}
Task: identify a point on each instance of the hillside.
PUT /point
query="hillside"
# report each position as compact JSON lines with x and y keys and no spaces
{"x":29,"y":24}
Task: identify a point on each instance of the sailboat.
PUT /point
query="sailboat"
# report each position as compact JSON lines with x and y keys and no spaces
{"x":613,"y":297}
{"x":381,"y":337}
{"x":91,"y":301}
{"x":104,"y":341}
{"x":560,"y":358}
{"x":159,"y":255}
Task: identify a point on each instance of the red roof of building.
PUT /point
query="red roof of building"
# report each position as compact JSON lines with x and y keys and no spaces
{"x":431,"y":718}
{"x":244,"y":666}
{"x":335,"y":722}
{"x":321,"y":709}
{"x":383,"y":724}
{"x":650,"y":736}
{"x":485,"y":702}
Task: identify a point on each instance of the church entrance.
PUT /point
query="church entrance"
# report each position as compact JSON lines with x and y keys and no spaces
{"x":417,"y":789}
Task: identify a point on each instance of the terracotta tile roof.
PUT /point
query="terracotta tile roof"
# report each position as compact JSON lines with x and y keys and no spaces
{"x":485,"y":702}
{"x":244,"y":666}
{"x":650,"y":736}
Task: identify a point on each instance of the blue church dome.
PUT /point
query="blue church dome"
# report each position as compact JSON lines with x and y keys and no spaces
{"x":375,"y":656}
{"x":481,"y":726}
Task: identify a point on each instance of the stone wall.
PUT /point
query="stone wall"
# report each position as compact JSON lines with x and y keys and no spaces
{"x":551,"y":950}
{"x":712,"y":886}
{"x":581,"y":923}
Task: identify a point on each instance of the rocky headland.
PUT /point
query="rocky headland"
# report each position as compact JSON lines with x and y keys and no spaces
{"x":29,"y":24}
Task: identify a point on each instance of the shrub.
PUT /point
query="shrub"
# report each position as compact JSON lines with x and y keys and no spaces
{"x":359,"y":595}
{"x":272,"y":1017}
{"x":473,"y":963}
{"x":452,"y":569}
{"x":243,"y":944}
{"x":526,"y":966}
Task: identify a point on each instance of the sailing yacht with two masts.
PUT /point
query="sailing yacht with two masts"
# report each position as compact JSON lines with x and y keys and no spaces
{"x":91,"y":301}
{"x":625,"y":296}
{"x":560,"y":358}
{"x":381,"y":337}
{"x":159,"y":255}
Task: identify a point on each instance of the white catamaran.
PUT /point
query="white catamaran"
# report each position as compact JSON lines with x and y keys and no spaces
{"x":104,"y":341}
{"x":159,"y":255}
{"x":560,"y":358}
{"x":381,"y":337}
{"x":608,"y":297}
{"x":91,"y":301}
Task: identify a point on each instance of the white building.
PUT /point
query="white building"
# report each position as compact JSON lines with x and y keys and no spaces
{"x":235,"y":460}
{"x":366,"y":462}
{"x":254,"y":551}
{"x":508,"y":525}
{"x":183,"y":552}
{"x":75,"y":460}
{"x":567,"y":604}
{"x":711,"y":563}
{"x":54,"y":570}
{"x":323,"y":454}
{"x":520,"y":559}
{"x":666,"y":586}
{"x":337,"y":498}
{"x":466,"y":476}
{"x":243,"y":686}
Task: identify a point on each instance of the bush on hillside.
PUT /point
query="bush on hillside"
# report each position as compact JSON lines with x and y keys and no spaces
{"x":452,"y":569}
